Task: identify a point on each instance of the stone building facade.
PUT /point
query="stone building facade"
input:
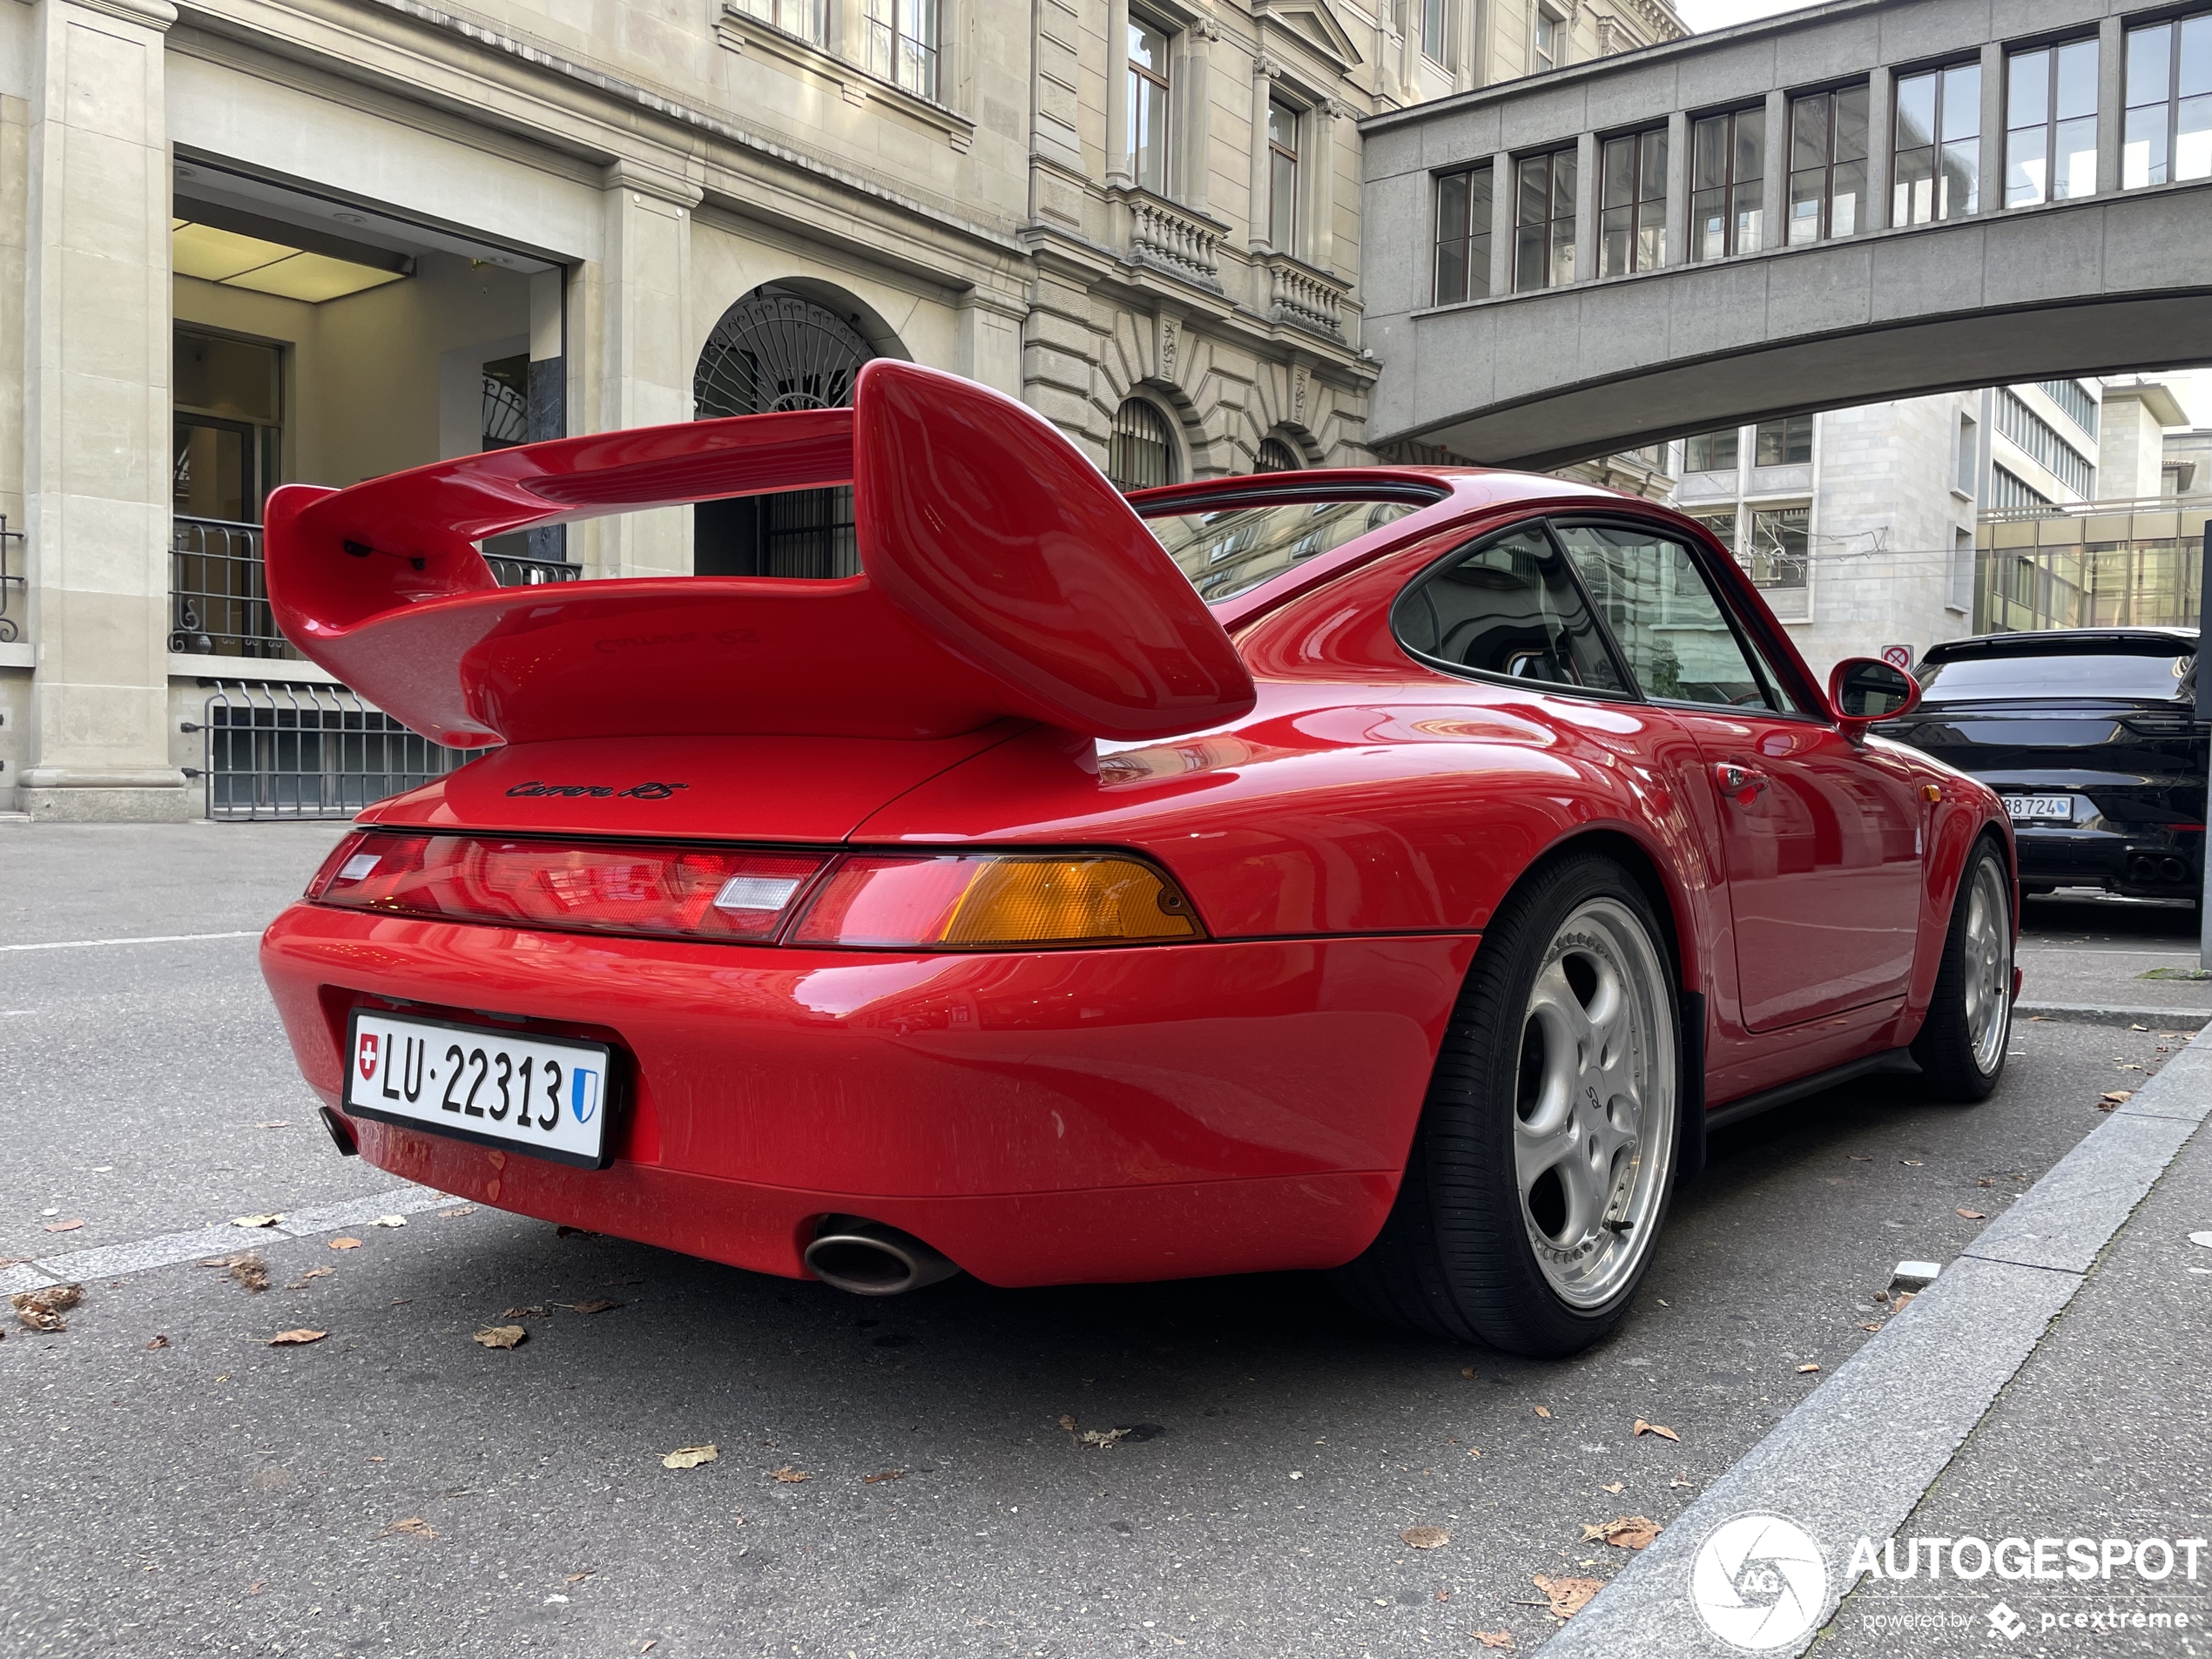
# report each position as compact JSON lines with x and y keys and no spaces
{"x":247,"y":242}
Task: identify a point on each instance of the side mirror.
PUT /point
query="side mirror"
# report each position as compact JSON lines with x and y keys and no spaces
{"x":1862,"y":689}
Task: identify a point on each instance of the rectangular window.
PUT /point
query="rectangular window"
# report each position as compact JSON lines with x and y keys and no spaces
{"x":2075,"y":399}
{"x":1546,"y":41}
{"x":1827,"y":164}
{"x":1721,"y":527}
{"x":1282,"y":177}
{"x":1782,"y":443}
{"x":1728,"y":171}
{"x":2042,"y":444}
{"x":1969,"y":453}
{"x":902,"y":44}
{"x":2051,"y":124}
{"x":2167,"y":137}
{"x":1710,"y":452}
{"x":1938,"y":170}
{"x":1961,"y":597}
{"x":1463,"y":209}
{"x":1148,"y":104}
{"x":808,"y":19}
{"x":1544,"y":221}
{"x":2008,"y":489}
{"x":1778,"y":555}
{"x":1435,"y":44}
{"x":1633,"y":204}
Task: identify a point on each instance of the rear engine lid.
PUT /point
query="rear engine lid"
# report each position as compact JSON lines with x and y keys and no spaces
{"x":750,"y":789}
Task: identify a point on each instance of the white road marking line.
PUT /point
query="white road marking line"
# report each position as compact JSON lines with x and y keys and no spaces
{"x":151,"y":939}
{"x":167,"y":1249}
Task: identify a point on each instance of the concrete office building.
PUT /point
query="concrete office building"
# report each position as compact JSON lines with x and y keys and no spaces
{"x":245,"y":244}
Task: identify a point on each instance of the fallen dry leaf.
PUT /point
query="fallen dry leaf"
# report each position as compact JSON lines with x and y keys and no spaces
{"x":2113,"y":1098}
{"x":1614,"y":1488}
{"x":42,"y":1310}
{"x":1544,"y":1412}
{"x":1066,"y":1422}
{"x":1501,"y":1640}
{"x":301,"y":1284}
{"x":1661,"y":1430}
{"x":1682,"y":1478}
{"x":251,"y":1271}
{"x":1868,"y":1324}
{"x":1425,"y":1537}
{"x":1972,"y":1215}
{"x":159,"y":1342}
{"x":1474,"y":1451}
{"x":789,"y":1476}
{"x":296,"y":1339}
{"x":414,"y":1527}
{"x":1898,"y":1306}
{"x":523,"y":1313}
{"x":600,"y":1306}
{"x":1100,"y":1437}
{"x":647,"y":1647}
{"x":500,"y":1336}
{"x":1467,"y":1372}
{"x":345,"y":1243}
{"x":257,"y":1221}
{"x":65,"y":1226}
{"x":465,"y":1210}
{"x":877,"y":1480}
{"x":690,"y":1457}
{"x":1623,"y":1532}
{"x":1803,"y":1370}
{"x":1567,"y":1596}
{"x":578,"y":1577}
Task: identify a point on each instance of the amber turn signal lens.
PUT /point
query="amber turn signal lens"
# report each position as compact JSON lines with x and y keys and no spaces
{"x":997,"y":903}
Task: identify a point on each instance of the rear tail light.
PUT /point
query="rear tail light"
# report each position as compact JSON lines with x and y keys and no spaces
{"x":995,"y":902}
{"x":953,"y":902}
{"x":597,"y":887}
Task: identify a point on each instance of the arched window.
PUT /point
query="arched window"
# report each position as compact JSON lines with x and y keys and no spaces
{"x":772,"y":351}
{"x":1142,"y":455}
{"x":1276,"y":455}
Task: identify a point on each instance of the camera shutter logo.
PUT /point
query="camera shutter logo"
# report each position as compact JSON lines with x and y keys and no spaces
{"x":1759,"y":1582}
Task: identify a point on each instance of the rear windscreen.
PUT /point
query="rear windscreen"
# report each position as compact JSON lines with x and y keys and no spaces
{"x":2055,"y":674}
{"x":1232,"y":550}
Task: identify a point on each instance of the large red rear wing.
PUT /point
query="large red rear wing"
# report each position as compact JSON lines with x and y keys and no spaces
{"x":1001,"y":576}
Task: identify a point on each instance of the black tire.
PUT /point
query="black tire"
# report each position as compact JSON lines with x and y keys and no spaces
{"x":1955,"y":1055}
{"x":1456,"y":1259}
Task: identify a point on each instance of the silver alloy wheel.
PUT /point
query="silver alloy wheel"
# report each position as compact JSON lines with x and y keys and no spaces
{"x":1594,"y":1100}
{"x":1986,"y":966}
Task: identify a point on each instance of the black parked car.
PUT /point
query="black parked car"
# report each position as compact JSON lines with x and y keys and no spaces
{"x":2090,"y":736}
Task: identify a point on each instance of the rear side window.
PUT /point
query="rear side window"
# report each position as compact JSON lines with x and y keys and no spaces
{"x":1509,"y":606}
{"x":2055,"y":674}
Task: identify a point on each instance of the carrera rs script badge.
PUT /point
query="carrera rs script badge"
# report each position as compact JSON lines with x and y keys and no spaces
{"x":635,"y":792}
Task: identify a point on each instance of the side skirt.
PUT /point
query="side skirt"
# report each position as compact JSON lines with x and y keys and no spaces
{"x":1895,"y":1060}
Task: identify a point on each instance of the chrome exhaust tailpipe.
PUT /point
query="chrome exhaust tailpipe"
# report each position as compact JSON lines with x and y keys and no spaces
{"x":868,"y":1259}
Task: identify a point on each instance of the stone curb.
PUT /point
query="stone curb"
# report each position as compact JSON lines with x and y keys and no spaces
{"x":1856,"y":1457}
{"x":2106,"y":1013}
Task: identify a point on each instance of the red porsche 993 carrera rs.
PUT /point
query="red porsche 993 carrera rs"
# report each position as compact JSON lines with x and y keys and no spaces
{"x":1394,"y":871}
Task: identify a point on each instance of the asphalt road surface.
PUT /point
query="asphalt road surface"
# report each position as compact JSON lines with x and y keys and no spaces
{"x":395,"y":1489}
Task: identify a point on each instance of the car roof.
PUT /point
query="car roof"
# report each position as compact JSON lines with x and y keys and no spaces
{"x":2068,"y":642}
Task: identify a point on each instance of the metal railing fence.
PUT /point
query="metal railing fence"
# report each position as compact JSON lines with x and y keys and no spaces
{"x":279,"y":751}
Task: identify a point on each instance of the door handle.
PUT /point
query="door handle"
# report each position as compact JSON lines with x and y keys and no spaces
{"x":1740,"y":783}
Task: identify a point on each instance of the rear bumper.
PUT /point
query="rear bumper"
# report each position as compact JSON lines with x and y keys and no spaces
{"x":2141,"y":859}
{"x":1041,"y":1118}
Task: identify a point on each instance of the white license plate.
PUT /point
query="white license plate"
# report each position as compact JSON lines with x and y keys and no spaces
{"x":2021,"y":808}
{"x":548,"y":1096}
